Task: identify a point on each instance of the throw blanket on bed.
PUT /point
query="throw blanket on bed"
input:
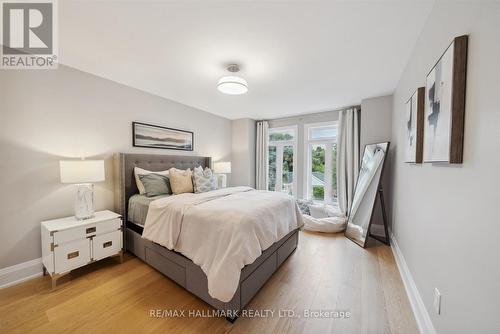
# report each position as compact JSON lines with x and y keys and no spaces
{"x":222,"y":230}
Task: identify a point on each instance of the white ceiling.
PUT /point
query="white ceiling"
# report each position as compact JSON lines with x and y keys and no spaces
{"x":297,"y":56}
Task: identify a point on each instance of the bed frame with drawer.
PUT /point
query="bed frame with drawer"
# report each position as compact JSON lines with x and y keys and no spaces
{"x":174,"y":265}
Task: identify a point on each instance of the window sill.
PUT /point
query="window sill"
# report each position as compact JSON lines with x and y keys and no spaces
{"x":318,"y":202}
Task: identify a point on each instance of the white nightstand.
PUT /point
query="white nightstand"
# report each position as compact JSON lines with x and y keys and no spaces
{"x":68,"y":243}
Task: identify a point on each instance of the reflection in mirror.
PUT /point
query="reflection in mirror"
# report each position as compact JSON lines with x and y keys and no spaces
{"x":365,"y":194}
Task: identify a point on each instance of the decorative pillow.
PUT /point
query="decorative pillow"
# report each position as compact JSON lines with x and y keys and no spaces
{"x":180,"y":181}
{"x":318,"y":211}
{"x":139,"y":171}
{"x":204,"y":180}
{"x":325,"y":211}
{"x":304,"y":206}
{"x":155,"y":184}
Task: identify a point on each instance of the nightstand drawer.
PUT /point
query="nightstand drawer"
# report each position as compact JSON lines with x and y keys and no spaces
{"x":70,"y":234}
{"x":107,"y":226}
{"x":71,"y":255}
{"x":81,"y":232}
{"x":105,"y":245}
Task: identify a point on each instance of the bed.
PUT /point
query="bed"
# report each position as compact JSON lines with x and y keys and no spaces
{"x":172,"y":264}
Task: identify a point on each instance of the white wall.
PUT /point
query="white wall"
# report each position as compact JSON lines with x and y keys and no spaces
{"x":58,"y":114}
{"x":446,"y":218}
{"x":243,"y":152}
{"x":376,"y":127}
{"x":376,"y":120}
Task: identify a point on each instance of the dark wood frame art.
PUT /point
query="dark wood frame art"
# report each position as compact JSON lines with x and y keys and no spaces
{"x":458,"y":92}
{"x":419,"y":158}
{"x":458,"y":99}
{"x":419,"y":119}
{"x":164,"y":128}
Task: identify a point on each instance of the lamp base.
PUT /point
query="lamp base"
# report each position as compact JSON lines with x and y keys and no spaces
{"x":84,"y":204}
{"x":221,"y":180}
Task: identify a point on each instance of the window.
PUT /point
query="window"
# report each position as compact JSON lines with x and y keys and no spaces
{"x":281,"y":160}
{"x":321,"y":154}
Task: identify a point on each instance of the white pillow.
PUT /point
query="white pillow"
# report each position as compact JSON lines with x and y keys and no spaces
{"x":324,"y":211}
{"x":139,"y":171}
{"x":318,"y":211}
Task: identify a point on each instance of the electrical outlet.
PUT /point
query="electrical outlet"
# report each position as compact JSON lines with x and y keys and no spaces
{"x":437,"y":301}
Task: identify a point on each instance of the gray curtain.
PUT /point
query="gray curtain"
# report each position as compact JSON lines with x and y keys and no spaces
{"x":261,"y":155}
{"x":347,"y":157}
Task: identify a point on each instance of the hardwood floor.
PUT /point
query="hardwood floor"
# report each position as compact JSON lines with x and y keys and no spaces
{"x":326,"y":272}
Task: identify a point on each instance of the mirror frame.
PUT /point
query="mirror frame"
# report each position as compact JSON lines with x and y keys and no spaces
{"x":379,"y":185}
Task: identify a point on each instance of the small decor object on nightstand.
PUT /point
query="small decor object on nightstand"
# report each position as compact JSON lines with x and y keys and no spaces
{"x":222,"y":168}
{"x":68,"y":243}
{"x":83,"y":173}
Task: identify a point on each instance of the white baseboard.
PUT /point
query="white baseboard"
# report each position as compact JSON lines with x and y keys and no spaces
{"x":20,"y":272}
{"x":421,"y":315}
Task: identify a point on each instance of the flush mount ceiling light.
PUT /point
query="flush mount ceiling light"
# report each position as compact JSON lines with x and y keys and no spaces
{"x":232,"y":84}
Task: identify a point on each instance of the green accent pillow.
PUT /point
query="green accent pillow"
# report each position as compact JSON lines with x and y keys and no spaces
{"x":155,"y":184}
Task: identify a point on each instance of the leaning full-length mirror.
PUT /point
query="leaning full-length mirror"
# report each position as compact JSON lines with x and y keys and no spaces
{"x":365,"y":194}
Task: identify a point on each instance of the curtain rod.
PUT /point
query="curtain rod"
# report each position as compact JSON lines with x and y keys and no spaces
{"x":316,"y":114}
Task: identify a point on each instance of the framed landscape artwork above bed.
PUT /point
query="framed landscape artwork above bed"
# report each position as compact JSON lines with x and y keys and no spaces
{"x":155,"y":136}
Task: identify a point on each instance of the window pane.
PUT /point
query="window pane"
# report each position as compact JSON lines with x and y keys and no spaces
{"x":323,"y":132}
{"x":334,"y":171}
{"x":318,"y":171}
{"x":272,"y":168}
{"x":319,"y":193}
{"x":280,"y":135}
{"x":287,"y":179}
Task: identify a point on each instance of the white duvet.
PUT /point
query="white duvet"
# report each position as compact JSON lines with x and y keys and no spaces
{"x":222,"y":230}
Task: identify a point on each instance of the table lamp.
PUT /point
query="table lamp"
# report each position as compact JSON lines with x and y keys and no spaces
{"x":222,"y":168}
{"x":83,"y":173}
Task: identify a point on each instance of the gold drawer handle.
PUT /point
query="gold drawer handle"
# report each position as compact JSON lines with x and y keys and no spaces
{"x":107,"y":244}
{"x":91,"y":230}
{"x":73,"y":254}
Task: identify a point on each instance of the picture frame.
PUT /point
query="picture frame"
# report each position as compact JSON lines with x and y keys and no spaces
{"x":444,"y":114}
{"x":161,"y":137}
{"x":414,"y":124}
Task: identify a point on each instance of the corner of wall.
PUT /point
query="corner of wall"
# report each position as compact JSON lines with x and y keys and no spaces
{"x":243,"y":152}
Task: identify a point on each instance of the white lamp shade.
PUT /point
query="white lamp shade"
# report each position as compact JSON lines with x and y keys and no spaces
{"x":222,"y":167}
{"x":232,"y":85}
{"x":81,"y":171}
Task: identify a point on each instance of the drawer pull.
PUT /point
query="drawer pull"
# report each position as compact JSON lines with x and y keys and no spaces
{"x":90,"y":230}
{"x":73,"y":254}
{"x":107,"y":244}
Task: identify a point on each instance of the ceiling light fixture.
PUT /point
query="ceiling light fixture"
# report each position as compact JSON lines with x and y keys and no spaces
{"x":232,"y":84}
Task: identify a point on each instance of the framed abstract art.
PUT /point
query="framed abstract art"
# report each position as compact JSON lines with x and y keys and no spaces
{"x":414,"y":127}
{"x":445,"y":105}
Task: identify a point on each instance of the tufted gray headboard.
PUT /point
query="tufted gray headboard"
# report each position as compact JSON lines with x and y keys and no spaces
{"x":124,"y":164}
